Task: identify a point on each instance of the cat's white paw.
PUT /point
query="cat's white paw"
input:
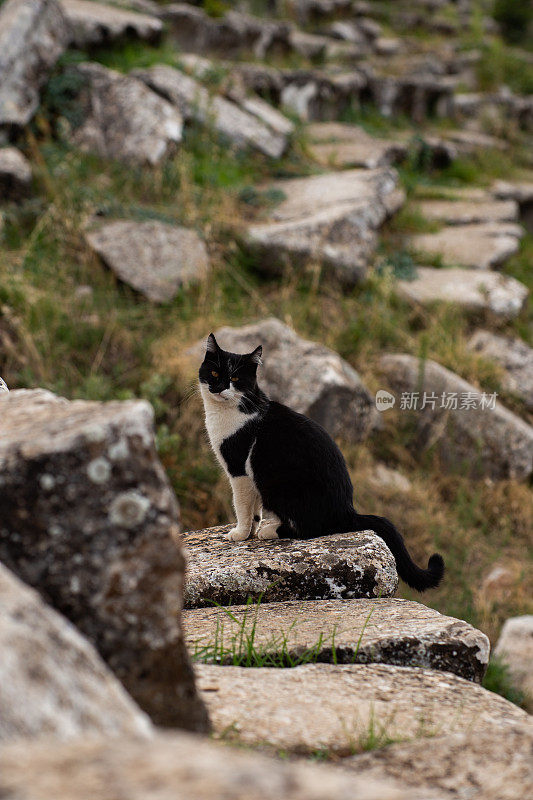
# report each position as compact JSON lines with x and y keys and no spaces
{"x":268,"y":531}
{"x":236,"y":535}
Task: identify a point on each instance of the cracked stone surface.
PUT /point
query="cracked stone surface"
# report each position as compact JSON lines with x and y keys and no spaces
{"x":325,"y":387}
{"x":52,"y":681}
{"x":88,"y":518}
{"x":33,"y":34}
{"x":194,"y":102}
{"x":153,"y":257}
{"x":123,"y":118}
{"x":344,"y":565}
{"x":173,"y":766}
{"x":473,"y":289}
{"x":492,"y":765}
{"x":515,"y":358}
{"x":482,"y":246}
{"x":328,"y":219}
{"x":99,"y":24}
{"x":323,"y":706}
{"x":389,"y":631}
{"x":485,"y":441}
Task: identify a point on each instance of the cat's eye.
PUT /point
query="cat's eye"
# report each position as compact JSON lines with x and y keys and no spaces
{"x":214,"y":374}
{"x":234,"y":380}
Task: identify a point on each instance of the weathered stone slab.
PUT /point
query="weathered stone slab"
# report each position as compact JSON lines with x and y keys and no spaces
{"x":328,"y":219}
{"x":472,"y":289}
{"x":194,"y":102}
{"x":33,"y":34}
{"x":466,"y":213}
{"x":337,"y":144}
{"x":175,"y":766}
{"x":481,"y":246}
{"x":392,"y":631}
{"x":123,"y":119}
{"x":155,"y":258}
{"x":521,"y":193}
{"x":337,"y":708}
{"x":325,"y":388}
{"x":344,"y":565}
{"x":94,"y":23}
{"x":515,"y":649}
{"x":15,"y":174}
{"x":514,"y":356}
{"x":52,"y":681}
{"x":483,"y":440}
{"x":492,"y":765}
{"x":87,"y":517}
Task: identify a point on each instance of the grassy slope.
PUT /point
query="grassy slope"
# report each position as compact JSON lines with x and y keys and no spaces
{"x":113,"y":344}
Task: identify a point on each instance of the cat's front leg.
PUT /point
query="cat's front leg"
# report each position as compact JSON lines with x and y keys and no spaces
{"x":244,"y":499}
{"x":258,"y":508}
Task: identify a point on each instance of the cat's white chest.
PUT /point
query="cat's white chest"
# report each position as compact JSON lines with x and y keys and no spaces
{"x":222,"y":421}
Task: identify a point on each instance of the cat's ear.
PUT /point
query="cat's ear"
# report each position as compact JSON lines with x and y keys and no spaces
{"x":211,"y":344}
{"x":255,"y":357}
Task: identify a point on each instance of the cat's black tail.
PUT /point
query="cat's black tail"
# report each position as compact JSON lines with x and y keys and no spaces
{"x":414,"y":576}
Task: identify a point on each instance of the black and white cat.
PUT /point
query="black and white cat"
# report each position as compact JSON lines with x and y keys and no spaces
{"x":285,"y":464}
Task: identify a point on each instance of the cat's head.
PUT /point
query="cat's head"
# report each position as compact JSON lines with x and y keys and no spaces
{"x":228,"y":377}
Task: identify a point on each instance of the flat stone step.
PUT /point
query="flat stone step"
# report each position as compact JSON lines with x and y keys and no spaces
{"x":464,"y":212}
{"x":473,"y":289}
{"x":482,"y":246}
{"x":344,"y":565}
{"x":342,"y":709}
{"x":389,"y":631}
{"x":341,"y":145}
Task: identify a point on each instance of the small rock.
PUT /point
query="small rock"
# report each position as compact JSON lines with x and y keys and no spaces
{"x":482,"y":246}
{"x":387,"y":46}
{"x":33,"y":34}
{"x":123,"y":119}
{"x":472,"y":289}
{"x":515,"y":649}
{"x":345,"y":565}
{"x":521,"y":193}
{"x":485,"y":441}
{"x":193,"y":100}
{"x":53,"y":681}
{"x":491,"y":765}
{"x":514,"y":356}
{"x":15,"y":174}
{"x":391,"y":479}
{"x":333,"y":708}
{"x":341,"y":145}
{"x":175,"y":766}
{"x":328,"y":219}
{"x":463,"y":212}
{"x":153,"y":257}
{"x":94,"y":533}
{"x":392,"y":631}
{"x":94,"y":23}
{"x":327,"y":388}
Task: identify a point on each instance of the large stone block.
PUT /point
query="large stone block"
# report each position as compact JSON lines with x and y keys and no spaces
{"x":87,"y":517}
{"x":387,"y":631}
{"x":52,"y":681}
{"x":342,"y":565}
{"x":33,"y":34}
{"x":324,"y":387}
